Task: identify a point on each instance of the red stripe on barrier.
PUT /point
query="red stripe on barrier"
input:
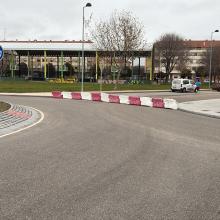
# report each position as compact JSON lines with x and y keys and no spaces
{"x":158,"y":102}
{"x":96,"y":96}
{"x":134,"y":100}
{"x":57,"y":94}
{"x":114,"y":99}
{"x":76,"y":95}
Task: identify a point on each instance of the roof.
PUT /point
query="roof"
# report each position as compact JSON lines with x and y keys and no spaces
{"x":201,"y":43}
{"x":67,"y":45}
{"x":47,"y":45}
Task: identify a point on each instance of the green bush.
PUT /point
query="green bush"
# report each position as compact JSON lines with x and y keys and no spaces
{"x":216,"y":87}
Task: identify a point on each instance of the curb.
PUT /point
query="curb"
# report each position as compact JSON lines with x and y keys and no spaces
{"x":119,"y":99}
{"x":21,"y":95}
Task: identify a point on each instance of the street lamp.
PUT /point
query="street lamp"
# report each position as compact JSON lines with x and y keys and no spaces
{"x":210,"y":60}
{"x":82,"y":77}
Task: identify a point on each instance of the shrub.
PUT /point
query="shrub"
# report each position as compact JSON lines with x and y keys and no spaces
{"x":216,"y":87}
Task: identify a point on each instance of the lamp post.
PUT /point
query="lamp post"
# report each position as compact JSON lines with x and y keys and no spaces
{"x":82,"y":77}
{"x":210,"y":60}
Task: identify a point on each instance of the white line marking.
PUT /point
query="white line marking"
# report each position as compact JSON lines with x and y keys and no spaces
{"x":41,"y":119}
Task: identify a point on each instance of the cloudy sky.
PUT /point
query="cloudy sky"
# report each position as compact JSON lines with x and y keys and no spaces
{"x":62,"y":19}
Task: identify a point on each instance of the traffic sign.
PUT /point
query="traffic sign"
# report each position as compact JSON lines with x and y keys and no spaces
{"x":1,"y":53}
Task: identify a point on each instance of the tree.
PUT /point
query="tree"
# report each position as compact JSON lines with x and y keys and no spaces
{"x":215,"y":74}
{"x":23,"y":69}
{"x":186,"y":73}
{"x":170,"y":50}
{"x":51,"y":71}
{"x":119,"y":36}
{"x":201,"y":71}
{"x":70,"y":70}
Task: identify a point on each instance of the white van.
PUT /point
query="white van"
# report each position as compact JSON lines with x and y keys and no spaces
{"x":183,"y":85}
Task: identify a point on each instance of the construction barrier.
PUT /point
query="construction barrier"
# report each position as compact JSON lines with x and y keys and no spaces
{"x":134,"y":100}
{"x":104,"y":97}
{"x":76,"y":95}
{"x":57,"y":94}
{"x":123,"y":99}
{"x":86,"y":96}
{"x":96,"y":96}
{"x":67,"y":95}
{"x":158,"y":102}
{"x":114,"y":99}
{"x":146,"y":101}
{"x":170,"y":103}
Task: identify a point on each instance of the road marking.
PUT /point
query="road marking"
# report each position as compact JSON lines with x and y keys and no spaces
{"x":30,"y":126}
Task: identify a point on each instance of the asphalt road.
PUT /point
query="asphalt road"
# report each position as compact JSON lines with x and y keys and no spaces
{"x":98,"y":161}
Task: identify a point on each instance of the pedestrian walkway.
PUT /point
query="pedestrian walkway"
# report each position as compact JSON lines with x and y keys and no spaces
{"x":209,"y":108}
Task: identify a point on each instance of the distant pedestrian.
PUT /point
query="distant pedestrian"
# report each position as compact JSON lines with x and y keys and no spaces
{"x":197,"y":85}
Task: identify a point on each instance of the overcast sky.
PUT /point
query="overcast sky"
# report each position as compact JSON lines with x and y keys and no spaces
{"x":62,"y":19}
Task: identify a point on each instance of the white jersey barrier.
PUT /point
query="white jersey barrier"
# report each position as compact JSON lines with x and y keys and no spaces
{"x":170,"y":103}
{"x":67,"y":95}
{"x":146,"y":101}
{"x":86,"y":96}
{"x":104,"y":97}
{"x":122,"y":99}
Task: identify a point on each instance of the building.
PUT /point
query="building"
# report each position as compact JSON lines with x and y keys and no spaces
{"x":197,"y":51}
{"x":51,"y":58}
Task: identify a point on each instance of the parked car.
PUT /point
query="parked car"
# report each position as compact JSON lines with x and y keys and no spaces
{"x":183,"y":85}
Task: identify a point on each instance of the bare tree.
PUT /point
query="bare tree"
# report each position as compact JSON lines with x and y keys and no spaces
{"x":171,"y":51}
{"x":215,"y":74}
{"x":119,"y":36}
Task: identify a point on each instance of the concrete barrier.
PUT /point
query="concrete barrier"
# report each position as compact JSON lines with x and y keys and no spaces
{"x":134,"y":100}
{"x":114,"y":99}
{"x":146,"y":101}
{"x":86,"y":96}
{"x":158,"y":102}
{"x":76,"y":95}
{"x":104,"y":97}
{"x":170,"y":103}
{"x":124,"y":99}
{"x":96,"y":96}
{"x":57,"y":94}
{"x":67,"y":95}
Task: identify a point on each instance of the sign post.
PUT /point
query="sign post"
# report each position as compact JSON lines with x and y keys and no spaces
{"x":1,"y":53}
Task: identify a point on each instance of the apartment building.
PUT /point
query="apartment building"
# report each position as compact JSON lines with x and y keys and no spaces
{"x":196,"y":50}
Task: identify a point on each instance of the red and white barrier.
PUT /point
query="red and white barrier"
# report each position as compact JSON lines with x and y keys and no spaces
{"x":146,"y":101}
{"x":122,"y":99}
{"x":134,"y":100}
{"x":57,"y":94}
{"x":96,"y":96}
{"x":86,"y":96}
{"x":158,"y":102}
{"x":76,"y":95}
{"x":114,"y":99}
{"x":67,"y":95}
{"x":104,"y":97}
{"x":171,"y":104}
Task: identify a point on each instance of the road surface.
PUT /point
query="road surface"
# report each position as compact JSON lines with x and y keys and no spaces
{"x":90,"y":160}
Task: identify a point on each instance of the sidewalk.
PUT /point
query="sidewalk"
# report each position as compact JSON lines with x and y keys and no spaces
{"x":30,"y":94}
{"x":209,"y":108}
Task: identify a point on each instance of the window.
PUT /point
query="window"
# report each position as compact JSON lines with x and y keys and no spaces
{"x":185,"y":82}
